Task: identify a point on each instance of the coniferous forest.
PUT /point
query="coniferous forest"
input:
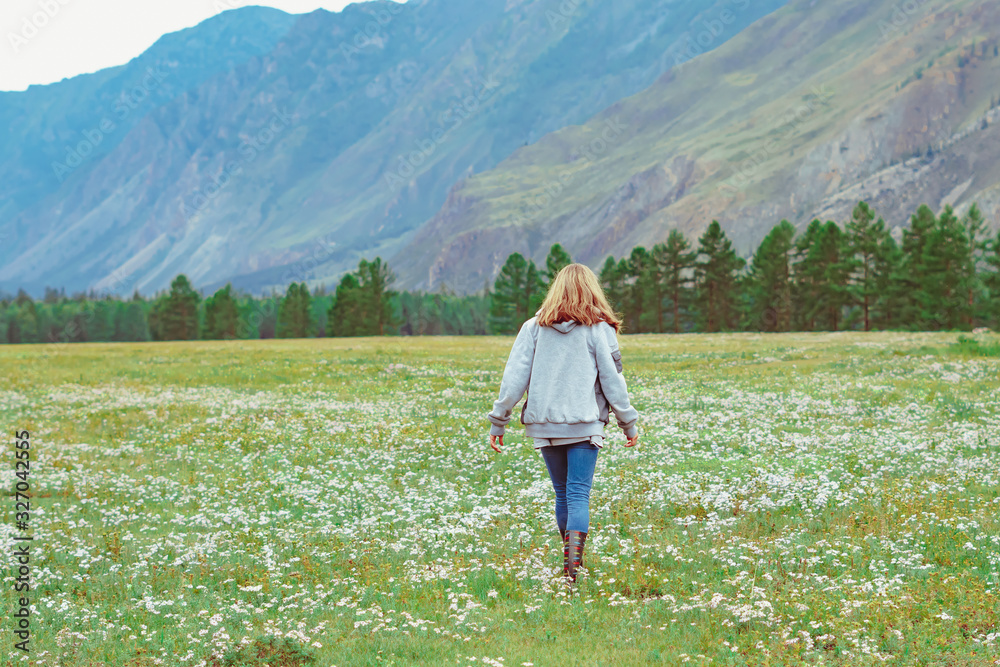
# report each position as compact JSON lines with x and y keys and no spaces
{"x":943,"y":273}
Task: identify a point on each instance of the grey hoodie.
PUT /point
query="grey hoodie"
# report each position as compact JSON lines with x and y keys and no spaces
{"x":571,"y":373}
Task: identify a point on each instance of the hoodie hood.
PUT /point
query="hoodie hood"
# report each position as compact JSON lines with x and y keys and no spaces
{"x":564,"y":327}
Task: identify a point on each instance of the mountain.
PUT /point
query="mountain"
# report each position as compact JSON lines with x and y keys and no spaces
{"x":263,"y":148}
{"x":801,"y":115}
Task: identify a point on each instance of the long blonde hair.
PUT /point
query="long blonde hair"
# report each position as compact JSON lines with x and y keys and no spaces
{"x":575,"y":294}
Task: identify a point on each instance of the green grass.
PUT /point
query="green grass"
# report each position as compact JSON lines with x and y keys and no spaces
{"x":795,"y":499}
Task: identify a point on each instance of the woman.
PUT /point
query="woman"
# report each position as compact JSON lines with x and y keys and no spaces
{"x":567,"y":359}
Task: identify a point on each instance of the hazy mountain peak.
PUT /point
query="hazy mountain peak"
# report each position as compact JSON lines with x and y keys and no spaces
{"x":232,"y":150}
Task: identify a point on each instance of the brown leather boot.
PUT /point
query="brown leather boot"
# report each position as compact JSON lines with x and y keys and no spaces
{"x":575,"y":540}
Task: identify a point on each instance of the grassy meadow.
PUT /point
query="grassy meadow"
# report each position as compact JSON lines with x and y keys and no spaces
{"x":795,"y":499}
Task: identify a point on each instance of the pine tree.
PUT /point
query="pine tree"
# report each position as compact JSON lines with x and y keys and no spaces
{"x":346,"y":315}
{"x":48,"y":327}
{"x":221,"y":315}
{"x":27,"y":318}
{"x":978,"y":244}
{"x":101,"y":319}
{"x":556,"y":261}
{"x":911,"y":276}
{"x":319,"y":307}
{"x":12,"y":334}
{"x":658,"y":287}
{"x":293,"y":313}
{"x":638,"y":291}
{"x":175,"y":314}
{"x":432,"y":315}
{"x":992,"y":281}
{"x":675,"y":260}
{"x":375,"y":279}
{"x":830,"y":274}
{"x":133,"y":326}
{"x":613,"y":276}
{"x":805,"y":295}
{"x":769,"y":283}
{"x":22,"y":322}
{"x":409,"y":307}
{"x":716,"y":272}
{"x":76,"y":318}
{"x":864,"y":238}
{"x":267,"y":311}
{"x":890,"y":292}
{"x":946,"y":259}
{"x":517,"y":293}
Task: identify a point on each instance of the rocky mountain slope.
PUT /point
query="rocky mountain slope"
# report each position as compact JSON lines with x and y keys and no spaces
{"x":263,"y":148}
{"x":810,"y":109}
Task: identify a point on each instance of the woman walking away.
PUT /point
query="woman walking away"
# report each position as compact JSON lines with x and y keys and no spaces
{"x":567,"y":360}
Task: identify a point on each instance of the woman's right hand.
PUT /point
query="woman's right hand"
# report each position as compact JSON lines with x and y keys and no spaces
{"x":632,"y":441}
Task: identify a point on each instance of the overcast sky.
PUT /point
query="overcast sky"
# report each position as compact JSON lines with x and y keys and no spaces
{"x":48,"y":40}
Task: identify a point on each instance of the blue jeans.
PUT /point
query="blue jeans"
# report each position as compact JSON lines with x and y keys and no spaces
{"x":571,"y":468}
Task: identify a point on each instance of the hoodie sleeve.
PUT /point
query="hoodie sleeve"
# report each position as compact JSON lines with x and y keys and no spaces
{"x":613,"y":385}
{"x":516,"y":375}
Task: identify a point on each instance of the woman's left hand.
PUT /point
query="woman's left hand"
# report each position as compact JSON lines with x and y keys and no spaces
{"x":493,"y":442}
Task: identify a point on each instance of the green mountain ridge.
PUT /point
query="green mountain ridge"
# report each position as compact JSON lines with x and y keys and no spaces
{"x":808,"y":110}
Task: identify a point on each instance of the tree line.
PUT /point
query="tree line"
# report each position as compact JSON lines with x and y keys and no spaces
{"x":943,"y":274}
{"x":364,"y":304}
